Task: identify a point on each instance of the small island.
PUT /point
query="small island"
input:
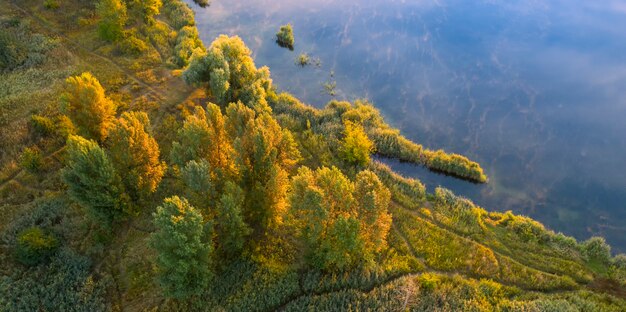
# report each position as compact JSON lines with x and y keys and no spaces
{"x":284,"y":37}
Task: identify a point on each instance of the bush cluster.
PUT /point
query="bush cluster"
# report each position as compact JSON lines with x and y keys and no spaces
{"x":178,"y":13}
{"x":34,"y":246}
{"x":284,"y":36}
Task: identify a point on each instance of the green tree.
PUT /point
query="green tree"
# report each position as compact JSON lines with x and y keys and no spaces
{"x":356,"y":146}
{"x":187,"y":41}
{"x":182,"y":243}
{"x":596,"y":249}
{"x":264,"y":155}
{"x":323,"y":206}
{"x":284,"y":36}
{"x":136,"y":153}
{"x":34,"y":246}
{"x":88,"y":107}
{"x":341,"y":223}
{"x":229,"y":74}
{"x":92,"y":180}
{"x":342,"y":247}
{"x":199,"y":184}
{"x":193,"y":139}
{"x":232,"y":230}
{"x":113,"y":17}
{"x":372,"y":200}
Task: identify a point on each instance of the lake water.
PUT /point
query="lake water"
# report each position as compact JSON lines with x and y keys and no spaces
{"x":533,"y":90}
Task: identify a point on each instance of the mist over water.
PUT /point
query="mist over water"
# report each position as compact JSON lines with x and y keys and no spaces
{"x":535,"y":91}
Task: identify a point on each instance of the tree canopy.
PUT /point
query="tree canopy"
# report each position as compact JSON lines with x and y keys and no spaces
{"x":284,"y":36}
{"x":136,"y":153}
{"x":113,"y":17}
{"x":92,"y":180}
{"x":356,"y":146}
{"x":86,"y":104}
{"x":229,"y":74}
{"x":182,"y":243}
{"x":341,"y":223}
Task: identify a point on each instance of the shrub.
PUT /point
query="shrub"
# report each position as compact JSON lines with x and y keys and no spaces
{"x":65,"y":127}
{"x":202,"y":3}
{"x":620,"y":261}
{"x":356,"y":146}
{"x":51,"y":4}
{"x":65,"y":284}
{"x":187,"y":41}
{"x":113,"y":17}
{"x":455,"y":164}
{"x":13,"y":51}
{"x":179,"y":13}
{"x":34,"y":246}
{"x":21,"y":47}
{"x":31,"y":160}
{"x":303,"y":59}
{"x":596,"y":249}
{"x":284,"y":36}
{"x":132,"y":45}
{"x":42,"y":125}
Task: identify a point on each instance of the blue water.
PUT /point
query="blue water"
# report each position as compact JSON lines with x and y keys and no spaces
{"x":533,"y":90}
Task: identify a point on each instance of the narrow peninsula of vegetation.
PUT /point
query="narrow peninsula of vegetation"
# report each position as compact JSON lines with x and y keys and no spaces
{"x":143,"y":171}
{"x":284,"y":37}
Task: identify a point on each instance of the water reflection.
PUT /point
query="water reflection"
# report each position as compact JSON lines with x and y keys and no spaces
{"x":533,"y":90}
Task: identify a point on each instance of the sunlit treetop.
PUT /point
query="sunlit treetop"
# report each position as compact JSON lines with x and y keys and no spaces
{"x":86,"y":104}
{"x":228,"y":72}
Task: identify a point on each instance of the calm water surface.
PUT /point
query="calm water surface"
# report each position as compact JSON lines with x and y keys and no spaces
{"x":533,"y":90}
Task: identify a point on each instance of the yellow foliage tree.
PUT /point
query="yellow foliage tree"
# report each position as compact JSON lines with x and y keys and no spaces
{"x":86,"y":104}
{"x":356,"y":146}
{"x":135,"y":154}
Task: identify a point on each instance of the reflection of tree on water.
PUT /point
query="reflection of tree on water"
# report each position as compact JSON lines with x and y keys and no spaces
{"x":330,"y":86}
{"x":202,"y":3}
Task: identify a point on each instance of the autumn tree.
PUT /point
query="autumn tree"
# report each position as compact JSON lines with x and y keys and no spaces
{"x":148,"y":9}
{"x":264,"y":155}
{"x":356,"y":147}
{"x":322,"y":201}
{"x":182,"y":243}
{"x":92,"y":180}
{"x":204,"y":135}
{"x":204,"y":153}
{"x":372,"y":202}
{"x":229,"y":74}
{"x":135,"y":153}
{"x":341,"y":223}
{"x":113,"y":17}
{"x":88,"y":107}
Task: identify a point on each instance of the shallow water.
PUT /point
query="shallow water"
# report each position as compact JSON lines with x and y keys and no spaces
{"x":533,"y":90}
